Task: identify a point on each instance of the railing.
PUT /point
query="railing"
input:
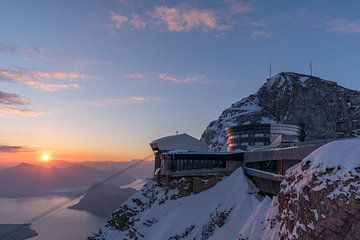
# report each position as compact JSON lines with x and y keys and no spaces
{"x":263,"y":174}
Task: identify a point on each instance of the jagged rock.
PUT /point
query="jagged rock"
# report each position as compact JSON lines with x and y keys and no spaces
{"x":320,"y":199}
{"x":193,"y":185}
{"x":323,"y":108}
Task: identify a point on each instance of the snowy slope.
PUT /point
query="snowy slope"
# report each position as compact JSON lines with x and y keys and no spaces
{"x":264,"y":222}
{"x":320,"y":198}
{"x":217,"y":213}
{"x":339,"y":159}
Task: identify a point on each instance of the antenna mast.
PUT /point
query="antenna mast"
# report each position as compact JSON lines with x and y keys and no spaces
{"x":270,"y":69}
{"x":311,"y":72}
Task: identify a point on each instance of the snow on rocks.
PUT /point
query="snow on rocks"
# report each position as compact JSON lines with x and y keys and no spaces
{"x":156,"y":213}
{"x":293,"y":98}
{"x":320,"y":198}
{"x":246,"y":111}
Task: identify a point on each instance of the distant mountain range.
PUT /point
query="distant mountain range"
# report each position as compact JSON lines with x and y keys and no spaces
{"x":63,"y":178}
{"x":323,"y":108}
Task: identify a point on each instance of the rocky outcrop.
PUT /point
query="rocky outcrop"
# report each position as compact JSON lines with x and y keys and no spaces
{"x":323,"y":108}
{"x":193,"y":185}
{"x":103,"y":200}
{"x":320,"y":199}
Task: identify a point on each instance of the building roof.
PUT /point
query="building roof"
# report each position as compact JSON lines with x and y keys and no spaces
{"x":178,"y":142}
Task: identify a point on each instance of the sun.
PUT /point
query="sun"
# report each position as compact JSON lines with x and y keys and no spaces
{"x":45,"y":157}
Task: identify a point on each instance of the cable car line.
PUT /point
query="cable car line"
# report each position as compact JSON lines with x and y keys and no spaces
{"x":11,"y":232}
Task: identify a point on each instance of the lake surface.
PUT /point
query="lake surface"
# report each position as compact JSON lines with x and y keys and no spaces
{"x":62,"y":224}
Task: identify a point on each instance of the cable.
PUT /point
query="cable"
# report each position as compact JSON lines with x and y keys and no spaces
{"x":12,"y":231}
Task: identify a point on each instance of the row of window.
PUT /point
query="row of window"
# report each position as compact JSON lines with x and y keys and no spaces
{"x":249,"y":135}
{"x":248,"y":144}
{"x":188,"y":164}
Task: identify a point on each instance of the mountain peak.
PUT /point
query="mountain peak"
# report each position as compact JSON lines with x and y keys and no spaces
{"x":325,"y":109}
{"x":291,"y":78}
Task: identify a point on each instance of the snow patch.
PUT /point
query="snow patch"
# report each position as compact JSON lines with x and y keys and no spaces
{"x":137,"y":184}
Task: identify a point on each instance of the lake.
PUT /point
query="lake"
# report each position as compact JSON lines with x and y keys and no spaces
{"x":62,"y":224}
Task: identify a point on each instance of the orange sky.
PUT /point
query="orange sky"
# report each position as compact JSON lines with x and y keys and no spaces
{"x":35,"y":156}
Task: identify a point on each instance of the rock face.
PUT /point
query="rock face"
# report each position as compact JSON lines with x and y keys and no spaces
{"x":320,"y":199}
{"x":323,"y":108}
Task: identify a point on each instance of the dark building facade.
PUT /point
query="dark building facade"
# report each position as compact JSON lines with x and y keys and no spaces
{"x":183,"y":142}
{"x":254,"y":136}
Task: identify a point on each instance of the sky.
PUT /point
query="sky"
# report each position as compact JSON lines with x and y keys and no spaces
{"x":99,"y":80}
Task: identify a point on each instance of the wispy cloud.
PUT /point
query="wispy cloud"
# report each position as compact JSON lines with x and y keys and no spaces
{"x":46,"y":54}
{"x":178,"y":79}
{"x":14,"y":104}
{"x":40,"y":79}
{"x":343,"y":25}
{"x":11,"y":110}
{"x":8,"y":48}
{"x":137,"y":22}
{"x":166,"y":77}
{"x":260,"y":34}
{"x":238,"y":7}
{"x":57,"y":75}
{"x":137,"y":75}
{"x":15,"y":149}
{"x":120,"y":101}
{"x":118,"y":20}
{"x":181,"y":19}
{"x":325,"y":22}
{"x":12,"y":99}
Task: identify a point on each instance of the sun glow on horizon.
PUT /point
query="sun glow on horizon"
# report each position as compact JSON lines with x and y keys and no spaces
{"x":45,"y":157}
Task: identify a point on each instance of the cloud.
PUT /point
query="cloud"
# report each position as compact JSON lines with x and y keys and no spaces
{"x":13,"y":104}
{"x":260,"y":34}
{"x":8,"y":48}
{"x":12,"y":99}
{"x":237,"y":7}
{"x":46,"y":54}
{"x":179,"y":19}
{"x":39,"y":79}
{"x":184,"y":17}
{"x":137,"y":75}
{"x":15,"y":149}
{"x":166,"y":77}
{"x":10,"y":110}
{"x":177,"y":79}
{"x":57,"y":75}
{"x":118,"y":20}
{"x":120,"y":101}
{"x":137,"y":22}
{"x":90,"y":62}
{"x":343,"y":25}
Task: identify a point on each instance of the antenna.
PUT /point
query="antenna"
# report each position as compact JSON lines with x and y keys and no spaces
{"x":311,"y":72}
{"x":270,"y":69}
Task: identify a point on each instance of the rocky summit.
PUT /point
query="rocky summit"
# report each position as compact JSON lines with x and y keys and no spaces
{"x":323,"y":108}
